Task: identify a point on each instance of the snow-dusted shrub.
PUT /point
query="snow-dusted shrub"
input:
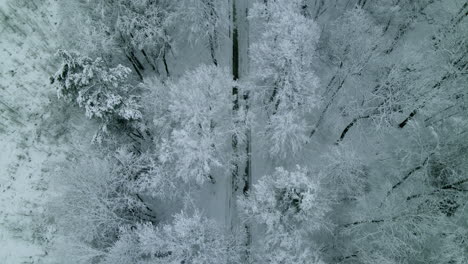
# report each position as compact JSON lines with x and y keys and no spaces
{"x":104,"y":93}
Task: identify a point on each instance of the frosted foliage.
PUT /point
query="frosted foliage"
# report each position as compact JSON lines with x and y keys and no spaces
{"x":145,"y":172}
{"x":282,"y":58}
{"x":101,"y":91}
{"x":290,"y":205}
{"x":203,"y":18}
{"x":144,"y":23}
{"x":125,"y":250}
{"x":189,"y":239}
{"x":84,"y":32}
{"x":454,"y":248}
{"x":345,"y":172}
{"x":391,"y":97}
{"x":354,"y":39}
{"x":288,"y":132}
{"x":96,"y":201}
{"x":200,"y":106}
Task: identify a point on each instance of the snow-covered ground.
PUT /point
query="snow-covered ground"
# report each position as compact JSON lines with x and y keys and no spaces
{"x":26,"y":44}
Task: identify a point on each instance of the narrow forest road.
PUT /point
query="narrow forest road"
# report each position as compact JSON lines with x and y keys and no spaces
{"x":241,"y":173}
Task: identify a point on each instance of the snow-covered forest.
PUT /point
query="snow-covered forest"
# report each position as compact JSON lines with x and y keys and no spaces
{"x":233,"y":131}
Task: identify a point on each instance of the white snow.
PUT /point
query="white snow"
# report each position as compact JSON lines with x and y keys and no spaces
{"x":26,"y":46}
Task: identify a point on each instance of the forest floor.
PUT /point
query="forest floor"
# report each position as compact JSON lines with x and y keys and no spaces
{"x":26,"y":44}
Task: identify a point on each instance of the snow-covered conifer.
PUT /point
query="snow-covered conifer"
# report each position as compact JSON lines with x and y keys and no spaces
{"x":104,"y":93}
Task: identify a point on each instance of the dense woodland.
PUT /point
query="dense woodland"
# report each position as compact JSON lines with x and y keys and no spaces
{"x":243,"y":131}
